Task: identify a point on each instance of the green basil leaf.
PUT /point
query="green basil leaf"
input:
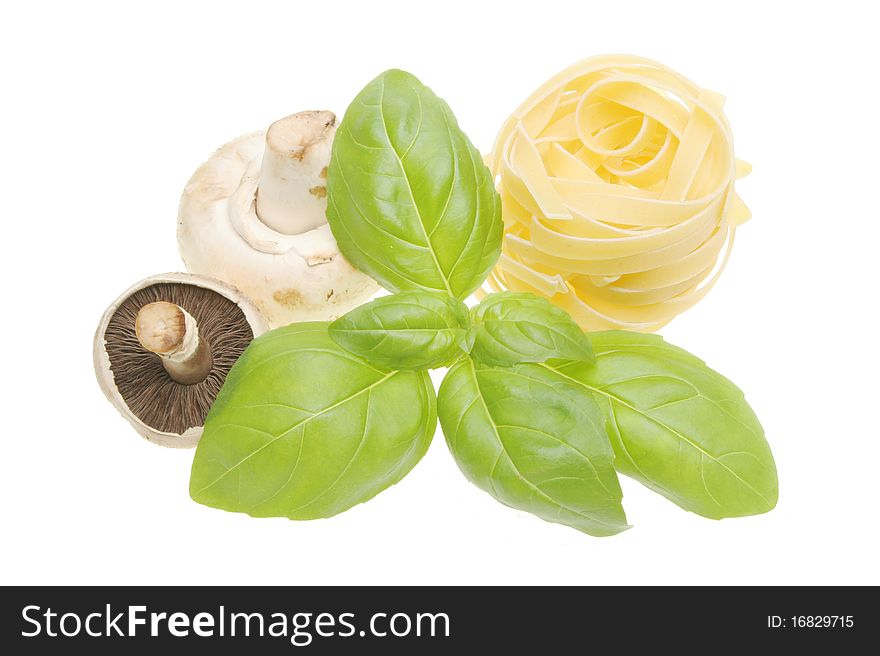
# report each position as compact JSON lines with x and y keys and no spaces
{"x":410,"y":201}
{"x":513,"y":327}
{"x":303,"y":429}
{"x":679,"y":427}
{"x":535,"y":441}
{"x":409,"y":330}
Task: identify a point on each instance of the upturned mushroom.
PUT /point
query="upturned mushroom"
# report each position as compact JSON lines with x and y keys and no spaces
{"x":163,"y":348}
{"x":254,"y":216}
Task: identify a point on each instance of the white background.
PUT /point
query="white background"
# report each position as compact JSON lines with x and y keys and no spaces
{"x":109,"y":108}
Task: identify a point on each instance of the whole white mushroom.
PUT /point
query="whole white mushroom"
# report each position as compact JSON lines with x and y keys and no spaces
{"x":254,"y":216}
{"x":164,"y":347}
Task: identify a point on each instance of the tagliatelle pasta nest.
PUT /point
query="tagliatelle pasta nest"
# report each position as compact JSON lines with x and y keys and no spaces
{"x":617,"y":186}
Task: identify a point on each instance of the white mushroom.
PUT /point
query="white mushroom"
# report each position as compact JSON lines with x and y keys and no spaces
{"x":163,"y":348}
{"x":254,"y":216}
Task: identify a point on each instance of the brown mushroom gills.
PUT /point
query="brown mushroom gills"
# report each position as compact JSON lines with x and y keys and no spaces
{"x":148,"y":389}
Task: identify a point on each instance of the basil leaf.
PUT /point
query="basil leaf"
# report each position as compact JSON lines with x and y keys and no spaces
{"x":514,"y":327}
{"x":535,"y":441}
{"x":409,"y":330}
{"x":410,"y":201}
{"x":303,"y":429}
{"x":679,"y":427}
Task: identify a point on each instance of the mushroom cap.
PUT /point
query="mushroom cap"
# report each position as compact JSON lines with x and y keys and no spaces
{"x":102,"y":358}
{"x":290,"y":278}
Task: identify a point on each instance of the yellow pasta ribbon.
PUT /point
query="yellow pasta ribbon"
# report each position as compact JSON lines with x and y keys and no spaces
{"x":617,"y":188}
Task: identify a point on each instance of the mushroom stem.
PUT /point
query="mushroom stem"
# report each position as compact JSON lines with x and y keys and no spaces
{"x":291,"y":197}
{"x":171,"y":332}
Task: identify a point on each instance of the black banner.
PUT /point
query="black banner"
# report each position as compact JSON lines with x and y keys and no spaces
{"x":340,"y":620}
